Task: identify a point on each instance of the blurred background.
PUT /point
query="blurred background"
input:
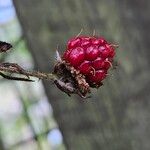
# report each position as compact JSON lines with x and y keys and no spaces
{"x":38,"y":116}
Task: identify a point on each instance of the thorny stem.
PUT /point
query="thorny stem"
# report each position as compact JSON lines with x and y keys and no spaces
{"x":7,"y":69}
{"x":16,"y":69}
{"x":41,"y":75}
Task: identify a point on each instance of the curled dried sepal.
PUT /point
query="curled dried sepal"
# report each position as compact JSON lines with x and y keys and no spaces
{"x":69,"y":80}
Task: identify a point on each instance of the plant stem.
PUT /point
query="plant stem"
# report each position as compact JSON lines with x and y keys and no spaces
{"x":16,"y":69}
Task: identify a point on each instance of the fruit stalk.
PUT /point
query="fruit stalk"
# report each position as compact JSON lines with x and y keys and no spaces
{"x":12,"y":68}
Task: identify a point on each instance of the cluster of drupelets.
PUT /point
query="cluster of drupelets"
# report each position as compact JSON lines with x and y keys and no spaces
{"x":92,"y":56}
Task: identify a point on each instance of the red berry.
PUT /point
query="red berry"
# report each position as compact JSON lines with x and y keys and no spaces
{"x":76,"y":56}
{"x":112,"y":53}
{"x":92,"y":56}
{"x":98,"y":76}
{"x":98,"y":41}
{"x":86,"y":41}
{"x":66,"y":54}
{"x":85,"y":67}
{"x":102,"y":40}
{"x":97,"y":64}
{"x":92,"y":53}
{"x":106,"y":64}
{"x":104,"y":51}
{"x":75,"y":42}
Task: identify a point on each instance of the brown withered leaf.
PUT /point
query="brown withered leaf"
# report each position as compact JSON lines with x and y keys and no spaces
{"x":4,"y":46}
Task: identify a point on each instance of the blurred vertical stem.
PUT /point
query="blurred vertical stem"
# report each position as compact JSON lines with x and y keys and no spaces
{"x":28,"y":119}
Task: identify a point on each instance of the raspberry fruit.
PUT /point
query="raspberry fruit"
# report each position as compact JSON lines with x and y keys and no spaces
{"x":87,"y":60}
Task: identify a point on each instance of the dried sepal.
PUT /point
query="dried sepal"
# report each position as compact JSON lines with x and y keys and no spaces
{"x":69,"y":80}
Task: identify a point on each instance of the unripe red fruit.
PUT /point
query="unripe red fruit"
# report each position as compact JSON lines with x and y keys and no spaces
{"x":92,"y":52}
{"x":97,"y":77}
{"x":76,"y":56}
{"x":75,"y":42}
{"x":91,"y":56}
{"x":84,"y":64}
{"x":98,"y":63}
{"x":85,"y":67}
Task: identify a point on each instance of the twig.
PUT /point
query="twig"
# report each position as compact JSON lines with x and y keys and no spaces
{"x":16,"y":69}
{"x":14,"y":78}
{"x":7,"y":69}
